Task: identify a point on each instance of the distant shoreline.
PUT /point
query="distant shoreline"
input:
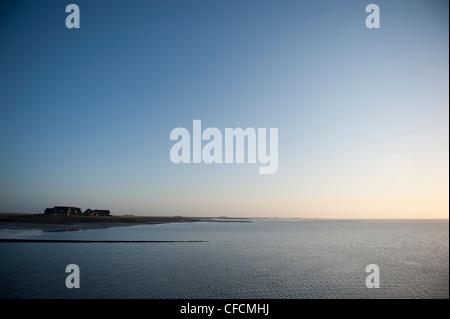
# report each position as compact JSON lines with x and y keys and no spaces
{"x":52,"y":223}
{"x":13,"y":240}
{"x":74,"y":223}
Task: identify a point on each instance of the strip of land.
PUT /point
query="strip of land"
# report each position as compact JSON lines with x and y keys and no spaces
{"x":97,"y":241}
{"x":73,"y":223}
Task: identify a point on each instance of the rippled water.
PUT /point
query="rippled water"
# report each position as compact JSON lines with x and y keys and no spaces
{"x":262,"y":259}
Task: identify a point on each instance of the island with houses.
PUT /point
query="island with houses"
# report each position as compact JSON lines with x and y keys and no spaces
{"x":75,"y":211}
{"x":70,"y":218}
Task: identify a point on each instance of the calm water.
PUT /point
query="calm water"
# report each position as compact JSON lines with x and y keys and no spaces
{"x":263,"y":259}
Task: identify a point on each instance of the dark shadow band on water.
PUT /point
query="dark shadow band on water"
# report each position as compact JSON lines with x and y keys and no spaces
{"x":97,"y":241}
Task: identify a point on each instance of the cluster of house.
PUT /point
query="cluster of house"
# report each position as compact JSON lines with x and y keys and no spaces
{"x":75,"y":211}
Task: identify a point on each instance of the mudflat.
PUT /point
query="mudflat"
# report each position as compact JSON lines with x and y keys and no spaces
{"x":73,"y":223}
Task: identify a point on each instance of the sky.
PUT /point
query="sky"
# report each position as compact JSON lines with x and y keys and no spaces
{"x":362,"y":114}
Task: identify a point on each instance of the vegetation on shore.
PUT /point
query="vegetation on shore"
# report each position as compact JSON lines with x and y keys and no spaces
{"x":41,"y":218}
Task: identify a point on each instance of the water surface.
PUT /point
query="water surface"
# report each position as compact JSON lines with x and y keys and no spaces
{"x":263,"y":259}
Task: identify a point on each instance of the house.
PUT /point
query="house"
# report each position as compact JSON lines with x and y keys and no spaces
{"x":96,"y":212}
{"x":88,"y":212}
{"x":75,"y":211}
{"x":63,"y":211}
{"x":101,"y":212}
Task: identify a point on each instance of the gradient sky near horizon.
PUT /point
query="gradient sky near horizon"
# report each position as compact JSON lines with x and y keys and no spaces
{"x":362,"y":114}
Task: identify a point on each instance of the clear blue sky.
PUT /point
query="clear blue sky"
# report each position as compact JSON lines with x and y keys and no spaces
{"x":85,"y":114}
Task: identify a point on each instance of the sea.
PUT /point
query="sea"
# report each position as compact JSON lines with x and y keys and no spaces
{"x":233,"y":259}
